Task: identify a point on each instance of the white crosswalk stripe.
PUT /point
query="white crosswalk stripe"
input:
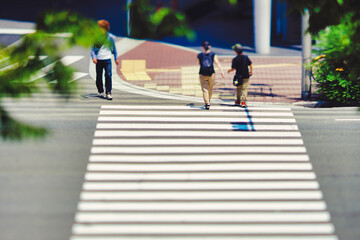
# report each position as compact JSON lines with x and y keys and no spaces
{"x":199,"y":176}
{"x":207,"y":237}
{"x":237,"y":122}
{"x":198,"y":167}
{"x":196,"y":141}
{"x":235,"y":126}
{"x":195,"y":113}
{"x":203,"y":217}
{"x":184,"y":133}
{"x":200,"y":158}
{"x":183,"y":173}
{"x":209,"y":195}
{"x":212,"y":237}
{"x":205,"y":229}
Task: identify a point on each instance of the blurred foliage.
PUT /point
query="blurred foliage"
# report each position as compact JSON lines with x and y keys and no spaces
{"x":14,"y":130}
{"x":338,"y":73}
{"x":36,"y":59}
{"x":148,"y":22}
{"x":336,"y":23}
{"x":324,"y":13}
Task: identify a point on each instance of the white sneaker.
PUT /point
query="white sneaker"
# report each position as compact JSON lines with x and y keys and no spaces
{"x":101,"y":95}
{"x":108,"y":96}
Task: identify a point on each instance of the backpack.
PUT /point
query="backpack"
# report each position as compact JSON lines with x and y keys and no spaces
{"x":206,"y":63}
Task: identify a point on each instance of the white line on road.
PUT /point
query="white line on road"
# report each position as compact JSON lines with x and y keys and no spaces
{"x":203,"y":217}
{"x":214,"y":195}
{"x":199,"y":167}
{"x":198,"y":176}
{"x":184,"y":133}
{"x":228,"y":107}
{"x":237,"y":126}
{"x":219,"y":185}
{"x":196,"y":149}
{"x":196,"y":141}
{"x":224,"y":237}
{"x":67,"y":60}
{"x":78,"y":75}
{"x":348,"y":120}
{"x":204,"y":206}
{"x":193,"y":113}
{"x":200,"y":158}
{"x":319,"y":228}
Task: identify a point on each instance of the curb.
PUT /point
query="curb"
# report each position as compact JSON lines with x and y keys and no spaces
{"x":322,"y":104}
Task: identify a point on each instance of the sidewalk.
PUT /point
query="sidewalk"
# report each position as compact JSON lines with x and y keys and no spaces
{"x":173,"y":69}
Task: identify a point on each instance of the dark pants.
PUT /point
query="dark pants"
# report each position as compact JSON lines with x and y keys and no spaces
{"x":103,"y":64}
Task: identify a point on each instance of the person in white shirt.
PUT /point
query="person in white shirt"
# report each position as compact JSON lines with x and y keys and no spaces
{"x":101,"y":56}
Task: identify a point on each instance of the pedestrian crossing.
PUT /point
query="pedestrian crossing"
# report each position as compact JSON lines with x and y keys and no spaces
{"x":183,"y":173}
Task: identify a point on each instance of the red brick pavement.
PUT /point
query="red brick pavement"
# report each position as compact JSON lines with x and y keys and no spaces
{"x":275,"y":79}
{"x":160,"y":55}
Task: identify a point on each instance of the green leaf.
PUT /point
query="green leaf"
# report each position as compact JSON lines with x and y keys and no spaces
{"x":148,"y":23}
{"x":159,"y":15}
{"x":11,"y":129}
{"x":23,"y":62}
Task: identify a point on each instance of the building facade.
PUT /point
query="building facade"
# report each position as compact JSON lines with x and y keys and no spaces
{"x":215,"y":20}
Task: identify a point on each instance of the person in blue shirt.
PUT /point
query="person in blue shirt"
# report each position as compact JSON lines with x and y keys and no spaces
{"x":206,"y":60}
{"x":101,"y":56}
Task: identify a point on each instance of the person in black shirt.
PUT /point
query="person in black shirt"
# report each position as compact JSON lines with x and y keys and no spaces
{"x":206,"y":60}
{"x":241,"y":63}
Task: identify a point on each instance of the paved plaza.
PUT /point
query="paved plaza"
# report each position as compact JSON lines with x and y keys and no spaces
{"x":173,"y":69}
